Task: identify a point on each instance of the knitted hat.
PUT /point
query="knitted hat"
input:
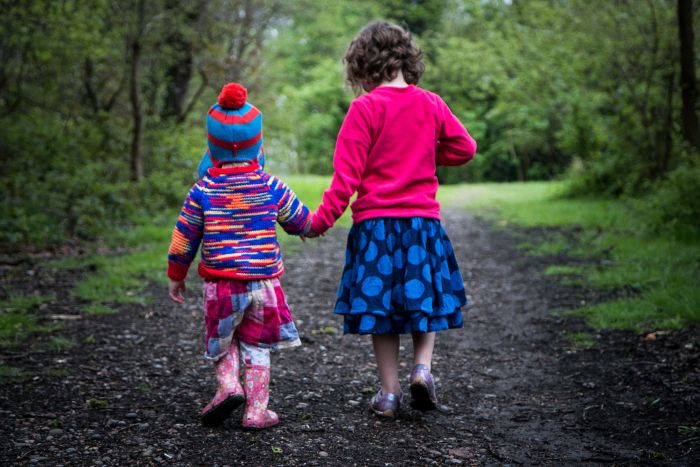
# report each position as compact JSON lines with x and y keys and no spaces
{"x":234,"y":129}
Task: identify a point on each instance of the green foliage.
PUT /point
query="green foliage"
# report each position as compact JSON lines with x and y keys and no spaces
{"x":581,"y":89}
{"x":675,"y":206}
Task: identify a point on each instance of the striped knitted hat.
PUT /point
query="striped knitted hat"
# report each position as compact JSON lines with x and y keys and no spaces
{"x":234,"y":129}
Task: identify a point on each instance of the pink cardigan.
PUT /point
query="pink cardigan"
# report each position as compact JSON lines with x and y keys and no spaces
{"x":387,"y":150}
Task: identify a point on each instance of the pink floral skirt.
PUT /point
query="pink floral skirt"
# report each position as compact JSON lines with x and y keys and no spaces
{"x":256,"y":310}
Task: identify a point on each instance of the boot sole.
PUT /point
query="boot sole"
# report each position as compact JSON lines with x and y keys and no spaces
{"x":420,"y":398}
{"x":258,"y":428}
{"x":387,"y":414}
{"x":221,"y":412}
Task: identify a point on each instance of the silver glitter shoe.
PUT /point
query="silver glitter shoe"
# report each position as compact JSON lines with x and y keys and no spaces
{"x":423,"y":395}
{"x":386,"y":404}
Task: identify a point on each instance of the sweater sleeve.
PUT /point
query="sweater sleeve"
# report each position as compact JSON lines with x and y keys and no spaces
{"x":292,"y":214}
{"x":349,"y":159}
{"x":455,"y":146}
{"x":187,"y":236}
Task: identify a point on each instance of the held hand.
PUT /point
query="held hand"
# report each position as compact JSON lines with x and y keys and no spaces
{"x":175,"y":291}
{"x":311,"y":234}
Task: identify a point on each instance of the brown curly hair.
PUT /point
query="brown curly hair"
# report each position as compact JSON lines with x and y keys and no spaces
{"x":377,"y":54}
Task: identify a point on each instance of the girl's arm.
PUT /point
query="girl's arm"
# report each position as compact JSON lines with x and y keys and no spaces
{"x":455,"y":146}
{"x":292,"y":214}
{"x":186,"y":237}
{"x":351,"y":149}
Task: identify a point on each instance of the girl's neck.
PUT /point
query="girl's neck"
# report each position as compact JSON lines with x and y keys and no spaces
{"x":226,"y":165}
{"x":397,"y":82}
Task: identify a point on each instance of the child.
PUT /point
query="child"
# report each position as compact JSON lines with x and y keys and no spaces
{"x":400,"y":274}
{"x":232,"y":211}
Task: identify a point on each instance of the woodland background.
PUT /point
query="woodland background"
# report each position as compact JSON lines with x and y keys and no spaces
{"x":102,"y":102}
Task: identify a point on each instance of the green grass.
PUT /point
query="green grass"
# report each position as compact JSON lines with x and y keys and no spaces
{"x":61,"y":343}
{"x":638,"y":314}
{"x":557,"y":244}
{"x":121,"y":277}
{"x":21,"y":303}
{"x":665,"y":272}
{"x":17,"y":321}
{"x":11,"y":373}
{"x":584,"y":340}
{"x":562,"y":271}
{"x":17,"y":326}
{"x":98,"y":309}
{"x":310,"y":188}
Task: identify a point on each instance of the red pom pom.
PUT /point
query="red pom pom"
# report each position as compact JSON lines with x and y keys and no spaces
{"x":232,"y":96}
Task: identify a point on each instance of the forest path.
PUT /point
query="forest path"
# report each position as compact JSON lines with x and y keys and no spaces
{"x":515,"y":390}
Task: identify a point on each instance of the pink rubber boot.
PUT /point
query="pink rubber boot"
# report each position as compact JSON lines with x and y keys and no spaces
{"x":257,"y":391}
{"x":229,"y":395}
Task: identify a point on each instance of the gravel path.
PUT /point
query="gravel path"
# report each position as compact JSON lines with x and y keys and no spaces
{"x":514,"y":390}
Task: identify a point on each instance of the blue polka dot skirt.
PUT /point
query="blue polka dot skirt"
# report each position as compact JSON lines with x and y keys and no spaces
{"x":400,"y":276}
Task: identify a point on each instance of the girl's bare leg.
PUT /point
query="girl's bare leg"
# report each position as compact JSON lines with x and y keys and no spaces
{"x":386,"y":352}
{"x":423,"y":344}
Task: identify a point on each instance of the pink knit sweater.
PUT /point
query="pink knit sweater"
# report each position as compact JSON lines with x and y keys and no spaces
{"x":387,"y":150}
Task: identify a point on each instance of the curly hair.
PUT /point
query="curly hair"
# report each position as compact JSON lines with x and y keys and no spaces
{"x":377,"y":54}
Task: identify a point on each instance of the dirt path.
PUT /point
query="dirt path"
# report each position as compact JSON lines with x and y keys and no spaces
{"x":515,"y":390}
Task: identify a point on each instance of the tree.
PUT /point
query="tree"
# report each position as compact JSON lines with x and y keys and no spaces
{"x":135,"y":93}
{"x":691,"y":130}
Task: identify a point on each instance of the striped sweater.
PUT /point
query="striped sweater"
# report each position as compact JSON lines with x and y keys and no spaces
{"x":232,"y":212}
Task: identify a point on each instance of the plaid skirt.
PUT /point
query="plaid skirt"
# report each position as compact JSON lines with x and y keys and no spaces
{"x":256,"y":310}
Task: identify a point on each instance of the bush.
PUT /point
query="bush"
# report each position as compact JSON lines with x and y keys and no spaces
{"x":68,"y":181}
{"x":674,"y":207}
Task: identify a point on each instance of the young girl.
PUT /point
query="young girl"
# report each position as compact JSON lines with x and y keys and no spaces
{"x":400,"y":274}
{"x":232,"y":211}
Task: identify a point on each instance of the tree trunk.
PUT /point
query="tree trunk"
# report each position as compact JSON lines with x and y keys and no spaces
{"x":521,"y":164}
{"x":179,"y":73}
{"x":135,"y":96}
{"x":691,"y":131}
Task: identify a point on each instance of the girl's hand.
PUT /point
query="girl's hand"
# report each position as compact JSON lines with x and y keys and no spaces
{"x":175,"y":291}
{"x":311,"y":234}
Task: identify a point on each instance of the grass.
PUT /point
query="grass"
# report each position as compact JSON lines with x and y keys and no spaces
{"x":61,"y":343}
{"x":562,"y":271}
{"x":22,"y":303}
{"x":17,"y":321}
{"x":98,"y":309}
{"x":11,"y":373}
{"x":665,"y":272}
{"x":584,"y":340}
{"x":122,"y":277}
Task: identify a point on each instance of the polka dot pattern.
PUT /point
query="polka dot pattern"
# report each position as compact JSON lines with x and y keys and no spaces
{"x":372,"y":286}
{"x":400,"y":276}
{"x":385,"y":265}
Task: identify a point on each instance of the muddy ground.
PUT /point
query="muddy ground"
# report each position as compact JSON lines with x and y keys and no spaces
{"x":515,"y":390}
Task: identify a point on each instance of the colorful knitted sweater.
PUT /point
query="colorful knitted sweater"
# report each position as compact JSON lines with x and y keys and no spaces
{"x":233,"y":212}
